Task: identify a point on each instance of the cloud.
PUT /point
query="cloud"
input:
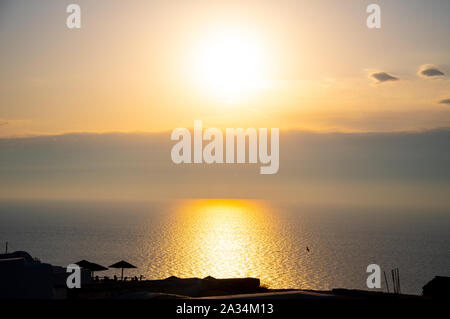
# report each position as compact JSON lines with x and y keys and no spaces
{"x":444,"y":101}
{"x":381,"y":77}
{"x":3,"y":123}
{"x":429,"y":71}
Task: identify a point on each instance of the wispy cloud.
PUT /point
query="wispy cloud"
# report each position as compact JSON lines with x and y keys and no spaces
{"x":2,"y":122}
{"x":429,"y":71}
{"x":381,"y":77}
{"x":445,"y":101}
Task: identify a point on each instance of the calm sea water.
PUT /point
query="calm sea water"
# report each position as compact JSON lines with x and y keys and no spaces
{"x":236,"y":238}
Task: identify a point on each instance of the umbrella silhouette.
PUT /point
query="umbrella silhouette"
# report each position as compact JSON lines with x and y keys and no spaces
{"x":90,"y":266}
{"x":121,"y":265}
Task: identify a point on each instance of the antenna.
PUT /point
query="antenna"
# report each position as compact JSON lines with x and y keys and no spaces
{"x":387,"y":283}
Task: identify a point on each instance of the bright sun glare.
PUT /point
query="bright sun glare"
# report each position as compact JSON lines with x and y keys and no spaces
{"x":230,"y":65}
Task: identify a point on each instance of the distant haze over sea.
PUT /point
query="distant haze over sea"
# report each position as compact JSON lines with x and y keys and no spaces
{"x":400,"y":169}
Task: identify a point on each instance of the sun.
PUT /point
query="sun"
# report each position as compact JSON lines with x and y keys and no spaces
{"x":231,"y":65}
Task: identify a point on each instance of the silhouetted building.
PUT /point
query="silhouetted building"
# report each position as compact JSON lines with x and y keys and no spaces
{"x":25,"y":277}
{"x":18,"y":254}
{"x":439,"y":287}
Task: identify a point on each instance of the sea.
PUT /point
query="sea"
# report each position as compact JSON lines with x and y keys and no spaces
{"x":285,"y":244}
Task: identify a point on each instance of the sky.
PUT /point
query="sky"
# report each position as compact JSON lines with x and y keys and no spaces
{"x":152,"y":66}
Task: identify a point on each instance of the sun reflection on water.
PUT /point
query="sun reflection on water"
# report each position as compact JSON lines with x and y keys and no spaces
{"x":225,"y":238}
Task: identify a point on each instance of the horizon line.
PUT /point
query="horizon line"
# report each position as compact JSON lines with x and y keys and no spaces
{"x":158,"y":132}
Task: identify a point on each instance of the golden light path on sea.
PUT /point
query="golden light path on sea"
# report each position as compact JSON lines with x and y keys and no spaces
{"x":227,"y":238}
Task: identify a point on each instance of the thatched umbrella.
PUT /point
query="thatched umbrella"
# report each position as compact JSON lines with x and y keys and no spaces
{"x":90,"y":266}
{"x":121,"y":265}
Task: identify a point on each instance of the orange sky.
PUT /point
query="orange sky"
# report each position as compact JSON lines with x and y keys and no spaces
{"x":156,"y":66}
